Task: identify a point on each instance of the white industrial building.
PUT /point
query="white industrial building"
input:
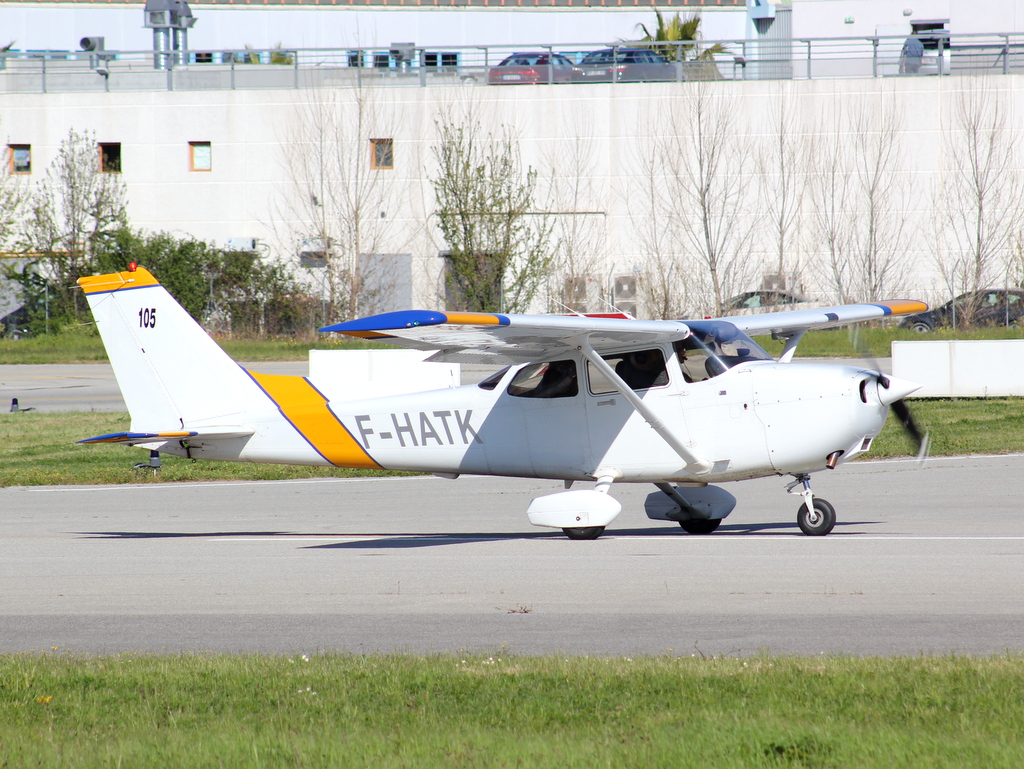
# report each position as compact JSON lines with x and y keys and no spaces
{"x":218,"y":148}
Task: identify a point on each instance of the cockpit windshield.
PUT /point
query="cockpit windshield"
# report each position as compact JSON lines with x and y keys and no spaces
{"x":713,"y":348}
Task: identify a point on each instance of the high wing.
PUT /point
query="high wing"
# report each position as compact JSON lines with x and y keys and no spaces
{"x":789,"y":322}
{"x":477,"y":337}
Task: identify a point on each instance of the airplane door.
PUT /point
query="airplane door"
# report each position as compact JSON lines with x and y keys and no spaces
{"x":619,"y":437}
{"x":722,"y":422}
{"x":543,"y":403}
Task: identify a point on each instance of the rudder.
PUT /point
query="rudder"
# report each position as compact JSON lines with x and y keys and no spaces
{"x":170,"y":371}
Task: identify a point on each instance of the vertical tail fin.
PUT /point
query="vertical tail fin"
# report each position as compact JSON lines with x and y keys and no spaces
{"x":171,"y":373}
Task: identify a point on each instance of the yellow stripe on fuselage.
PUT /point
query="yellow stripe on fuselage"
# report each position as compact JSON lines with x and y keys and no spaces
{"x":306,"y":409}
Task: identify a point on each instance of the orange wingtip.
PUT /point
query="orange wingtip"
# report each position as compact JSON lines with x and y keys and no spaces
{"x":473,"y":318}
{"x":905,"y":306}
{"x":117,"y":281}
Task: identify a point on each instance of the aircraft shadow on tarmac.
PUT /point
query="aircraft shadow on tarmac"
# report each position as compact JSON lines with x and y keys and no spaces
{"x":398,"y":540}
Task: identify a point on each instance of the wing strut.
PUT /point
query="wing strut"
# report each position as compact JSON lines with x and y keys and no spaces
{"x":694,"y":463}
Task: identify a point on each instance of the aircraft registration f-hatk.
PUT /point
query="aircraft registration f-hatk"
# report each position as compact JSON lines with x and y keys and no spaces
{"x":680,"y":404}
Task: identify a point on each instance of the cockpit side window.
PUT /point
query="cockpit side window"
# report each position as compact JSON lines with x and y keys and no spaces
{"x":494,"y":379}
{"x":640,"y":370}
{"x":554,"y":379}
{"x":713,"y":348}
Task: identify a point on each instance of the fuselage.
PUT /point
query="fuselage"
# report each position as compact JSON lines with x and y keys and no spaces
{"x":757,"y":418}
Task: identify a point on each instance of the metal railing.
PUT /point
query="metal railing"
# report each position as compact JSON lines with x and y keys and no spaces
{"x":421,"y":66}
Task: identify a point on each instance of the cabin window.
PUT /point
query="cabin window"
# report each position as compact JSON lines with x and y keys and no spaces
{"x":494,"y":379}
{"x":640,"y":370}
{"x":555,"y":379}
{"x":714,"y":347}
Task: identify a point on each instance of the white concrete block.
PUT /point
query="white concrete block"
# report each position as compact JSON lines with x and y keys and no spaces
{"x":357,"y":374}
{"x":963,"y":369}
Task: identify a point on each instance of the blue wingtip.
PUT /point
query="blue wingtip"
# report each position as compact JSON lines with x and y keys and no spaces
{"x":391,"y":320}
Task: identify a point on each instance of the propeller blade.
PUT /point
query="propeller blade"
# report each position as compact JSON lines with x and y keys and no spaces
{"x":919,"y":439}
{"x":892,"y":391}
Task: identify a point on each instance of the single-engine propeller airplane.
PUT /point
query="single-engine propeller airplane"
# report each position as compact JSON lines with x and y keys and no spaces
{"x":680,"y":404}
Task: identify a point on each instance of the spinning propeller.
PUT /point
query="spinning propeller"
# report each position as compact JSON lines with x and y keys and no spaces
{"x":892,"y":392}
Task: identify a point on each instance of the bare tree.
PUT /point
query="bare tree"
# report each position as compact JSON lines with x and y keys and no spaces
{"x":830,"y":186}
{"x":860,"y":200}
{"x":72,"y":215}
{"x":340,"y":163}
{"x":782,"y":180}
{"x":578,"y":222}
{"x":982,"y":214}
{"x":879,"y":244}
{"x":499,"y":250}
{"x":12,"y":195}
{"x":705,"y":160}
{"x":668,"y":288}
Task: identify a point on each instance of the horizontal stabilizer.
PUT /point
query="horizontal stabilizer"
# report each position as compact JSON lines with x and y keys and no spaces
{"x":172,"y":435}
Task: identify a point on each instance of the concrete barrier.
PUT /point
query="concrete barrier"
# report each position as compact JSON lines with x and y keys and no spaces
{"x":356,"y":374}
{"x":961,"y":369}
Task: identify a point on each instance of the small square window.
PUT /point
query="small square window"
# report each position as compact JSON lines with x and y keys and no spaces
{"x":200,"y":156}
{"x":383,"y":155}
{"x":21,"y":158}
{"x":110,"y":158}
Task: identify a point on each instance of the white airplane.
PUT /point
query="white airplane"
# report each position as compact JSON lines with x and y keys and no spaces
{"x":680,"y":404}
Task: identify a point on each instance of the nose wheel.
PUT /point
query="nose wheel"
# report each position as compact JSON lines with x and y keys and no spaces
{"x":816,"y":517}
{"x":818,"y":520}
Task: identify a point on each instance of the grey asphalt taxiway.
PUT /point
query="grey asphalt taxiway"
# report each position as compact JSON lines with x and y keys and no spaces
{"x":923,"y":560}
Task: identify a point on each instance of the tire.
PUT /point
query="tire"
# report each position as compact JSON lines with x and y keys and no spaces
{"x":700,"y":526}
{"x":921,"y":328}
{"x":584,"y":532}
{"x":819,"y":524}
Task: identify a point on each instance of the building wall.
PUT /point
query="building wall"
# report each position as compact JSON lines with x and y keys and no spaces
{"x":602,"y":139}
{"x":59,"y":26}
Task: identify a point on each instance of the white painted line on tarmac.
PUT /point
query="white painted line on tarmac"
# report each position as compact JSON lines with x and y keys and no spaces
{"x":233,"y":484}
{"x":606,"y":537}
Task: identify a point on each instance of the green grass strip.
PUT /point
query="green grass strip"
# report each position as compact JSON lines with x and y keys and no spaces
{"x":39,"y":449}
{"x":85,"y":346}
{"x":334,"y":710}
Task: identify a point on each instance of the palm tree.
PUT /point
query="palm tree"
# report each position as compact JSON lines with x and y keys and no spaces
{"x":679,"y":38}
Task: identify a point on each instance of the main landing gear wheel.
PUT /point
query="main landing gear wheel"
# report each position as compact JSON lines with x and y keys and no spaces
{"x":819,"y":522}
{"x":700,"y":526}
{"x":584,"y":532}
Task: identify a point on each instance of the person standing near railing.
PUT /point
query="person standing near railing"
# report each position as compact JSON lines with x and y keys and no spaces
{"x":910,"y":57}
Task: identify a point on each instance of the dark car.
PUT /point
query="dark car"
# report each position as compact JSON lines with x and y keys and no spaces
{"x":991,"y":307}
{"x":531,"y":69}
{"x":624,"y":65}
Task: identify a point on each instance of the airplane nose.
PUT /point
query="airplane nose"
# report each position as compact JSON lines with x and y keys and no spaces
{"x":891,"y":389}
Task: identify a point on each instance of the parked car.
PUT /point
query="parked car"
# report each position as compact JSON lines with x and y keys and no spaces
{"x":991,"y":307}
{"x":531,"y":69}
{"x":624,"y":65}
{"x":766,"y":300}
